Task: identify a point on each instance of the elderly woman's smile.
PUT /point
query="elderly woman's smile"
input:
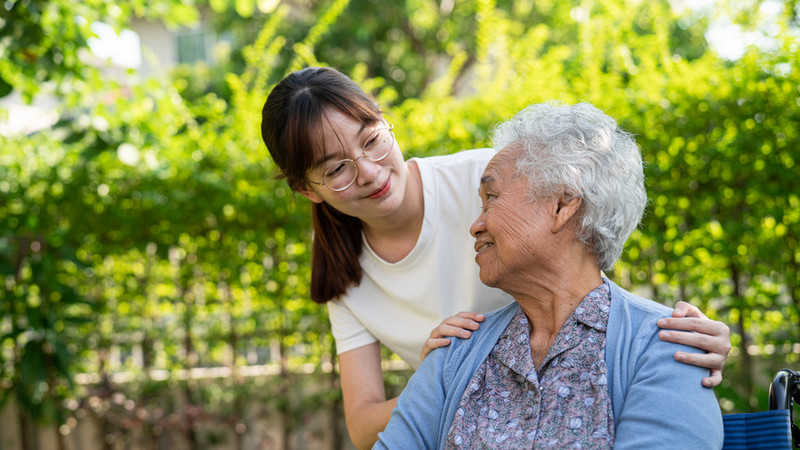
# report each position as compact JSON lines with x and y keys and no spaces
{"x":480,"y":246}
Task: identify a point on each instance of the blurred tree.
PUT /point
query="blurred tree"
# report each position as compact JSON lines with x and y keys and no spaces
{"x":47,"y":40}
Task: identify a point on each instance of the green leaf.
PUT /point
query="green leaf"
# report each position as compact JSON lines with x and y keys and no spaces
{"x":33,"y":366}
{"x":219,"y":6}
{"x":245,"y":8}
{"x":5,"y":87}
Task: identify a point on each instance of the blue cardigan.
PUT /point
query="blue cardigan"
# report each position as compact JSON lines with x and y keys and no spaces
{"x":657,"y":401}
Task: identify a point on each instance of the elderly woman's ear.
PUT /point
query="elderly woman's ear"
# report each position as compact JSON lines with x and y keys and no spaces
{"x":566,"y":208}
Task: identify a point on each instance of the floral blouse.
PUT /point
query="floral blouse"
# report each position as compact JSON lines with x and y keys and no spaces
{"x":566,"y":404}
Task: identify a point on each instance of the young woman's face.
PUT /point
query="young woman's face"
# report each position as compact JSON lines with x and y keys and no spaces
{"x":379,"y":187}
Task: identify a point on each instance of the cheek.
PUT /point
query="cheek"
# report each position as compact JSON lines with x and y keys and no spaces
{"x":337,"y":199}
{"x":396,"y":158}
{"x":518,"y":231}
{"x":511,"y":217}
{"x":519,"y":240}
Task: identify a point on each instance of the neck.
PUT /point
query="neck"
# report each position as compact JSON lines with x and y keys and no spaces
{"x":550,"y":297}
{"x":394,"y":236}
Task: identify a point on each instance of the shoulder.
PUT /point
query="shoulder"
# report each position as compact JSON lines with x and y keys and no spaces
{"x":453,"y":180}
{"x":632,"y":342}
{"x":642,"y":369}
{"x":632,"y":334}
{"x":474,"y":350}
{"x":465,"y":158}
{"x":501,"y":316}
{"x":628,"y":308}
{"x":439,"y":383}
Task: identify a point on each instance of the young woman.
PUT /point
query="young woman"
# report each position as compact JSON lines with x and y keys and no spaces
{"x":392,"y":255}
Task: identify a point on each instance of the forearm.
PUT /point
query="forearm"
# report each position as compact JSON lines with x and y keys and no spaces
{"x":366,"y":420}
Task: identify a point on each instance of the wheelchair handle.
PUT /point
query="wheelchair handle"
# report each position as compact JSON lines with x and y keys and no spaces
{"x":785,"y":389}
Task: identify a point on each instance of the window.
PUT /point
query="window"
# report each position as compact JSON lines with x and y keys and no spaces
{"x":193,"y":46}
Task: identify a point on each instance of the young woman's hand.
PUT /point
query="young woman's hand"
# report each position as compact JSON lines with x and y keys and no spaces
{"x":461,"y":325}
{"x":697,"y":330}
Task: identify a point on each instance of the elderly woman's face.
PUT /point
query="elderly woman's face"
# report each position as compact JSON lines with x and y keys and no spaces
{"x":512,"y":234}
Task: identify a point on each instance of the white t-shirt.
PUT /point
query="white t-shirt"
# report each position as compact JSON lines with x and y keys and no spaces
{"x":400,"y":303}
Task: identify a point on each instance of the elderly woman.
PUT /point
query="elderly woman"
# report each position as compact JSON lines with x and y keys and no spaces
{"x":575,"y":361}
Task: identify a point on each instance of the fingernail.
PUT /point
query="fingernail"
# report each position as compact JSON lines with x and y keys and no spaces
{"x":679,"y":310}
{"x":662,"y":322}
{"x":680,"y":356}
{"x":664,"y":334}
{"x":465,"y":334}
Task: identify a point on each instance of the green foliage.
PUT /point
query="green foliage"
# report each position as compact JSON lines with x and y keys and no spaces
{"x":45,"y":40}
{"x":148,"y":221}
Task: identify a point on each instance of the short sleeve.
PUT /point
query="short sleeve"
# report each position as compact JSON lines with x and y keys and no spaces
{"x":347,"y":330}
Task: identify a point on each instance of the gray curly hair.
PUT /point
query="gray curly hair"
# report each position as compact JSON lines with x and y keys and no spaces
{"x":580,"y":151}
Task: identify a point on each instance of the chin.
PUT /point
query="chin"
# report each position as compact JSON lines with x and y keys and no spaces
{"x":487,"y":280}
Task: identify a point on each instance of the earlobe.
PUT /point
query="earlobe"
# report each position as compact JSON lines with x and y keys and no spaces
{"x":566,"y":207}
{"x":309,"y":193}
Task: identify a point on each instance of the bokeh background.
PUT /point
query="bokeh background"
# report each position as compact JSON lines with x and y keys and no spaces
{"x":153,"y":273}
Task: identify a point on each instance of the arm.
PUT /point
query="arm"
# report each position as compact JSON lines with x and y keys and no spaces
{"x":665,"y":406}
{"x":711,"y":336}
{"x":417,"y":419}
{"x":366,"y":409}
{"x":460,"y":325}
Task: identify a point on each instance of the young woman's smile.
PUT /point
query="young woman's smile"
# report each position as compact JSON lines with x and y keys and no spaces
{"x":383,"y":190}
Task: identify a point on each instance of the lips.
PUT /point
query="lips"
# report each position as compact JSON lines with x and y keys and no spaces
{"x":480,"y":246}
{"x":383,"y":190}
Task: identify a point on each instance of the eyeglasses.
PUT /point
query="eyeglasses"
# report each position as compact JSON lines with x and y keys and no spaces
{"x":341,"y":174}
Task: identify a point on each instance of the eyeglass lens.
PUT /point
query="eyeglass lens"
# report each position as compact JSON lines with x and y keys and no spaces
{"x":341,"y":174}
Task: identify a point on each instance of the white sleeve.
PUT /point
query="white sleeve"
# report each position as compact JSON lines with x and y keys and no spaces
{"x":348,"y":331}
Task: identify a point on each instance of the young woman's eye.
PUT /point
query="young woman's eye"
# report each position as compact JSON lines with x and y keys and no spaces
{"x":372,"y":141}
{"x":336,"y":169}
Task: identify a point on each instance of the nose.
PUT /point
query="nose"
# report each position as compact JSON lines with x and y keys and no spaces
{"x":367,"y":170}
{"x":477,"y":227}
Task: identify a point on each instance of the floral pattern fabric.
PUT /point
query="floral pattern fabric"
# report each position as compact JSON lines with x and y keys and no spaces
{"x":565,"y":404}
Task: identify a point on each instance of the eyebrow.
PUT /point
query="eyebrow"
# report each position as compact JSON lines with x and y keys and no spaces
{"x":486,"y":179}
{"x":332,"y":157}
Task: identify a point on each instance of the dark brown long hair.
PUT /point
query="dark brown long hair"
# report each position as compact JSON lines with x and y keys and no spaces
{"x":291,"y":127}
